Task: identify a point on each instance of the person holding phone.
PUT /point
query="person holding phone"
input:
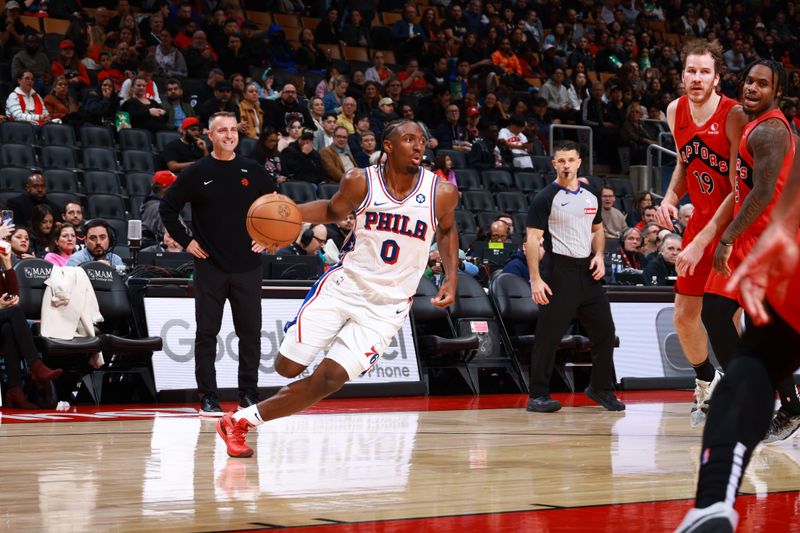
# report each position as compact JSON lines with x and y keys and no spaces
{"x":16,"y":340}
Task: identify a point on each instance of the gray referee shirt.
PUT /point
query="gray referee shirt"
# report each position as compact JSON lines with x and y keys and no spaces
{"x":566,"y":217}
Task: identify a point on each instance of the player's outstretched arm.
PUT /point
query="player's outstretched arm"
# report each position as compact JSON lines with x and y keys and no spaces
{"x":447,"y":241}
{"x":352,"y":191}
{"x":767,"y":160}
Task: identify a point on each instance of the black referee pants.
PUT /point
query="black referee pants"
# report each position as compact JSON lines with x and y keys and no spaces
{"x":575,"y":295}
{"x":212,"y":286}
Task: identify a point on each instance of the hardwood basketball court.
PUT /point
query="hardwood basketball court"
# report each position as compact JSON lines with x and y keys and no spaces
{"x":390,"y":464}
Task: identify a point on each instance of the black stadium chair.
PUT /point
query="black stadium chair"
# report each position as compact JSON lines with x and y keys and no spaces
{"x":163,"y":138}
{"x":472,"y":312}
{"x":299,"y":191}
{"x":246,"y":146}
{"x":465,"y":221}
{"x":468,"y":178}
{"x":138,"y":161}
{"x":105,"y":206}
{"x":438,"y":345}
{"x":466,"y":238}
{"x":61,"y":181}
{"x":63,"y":198}
{"x":96,"y":137}
{"x":58,"y":135}
{"x":325,"y":191}
{"x":520,"y":221}
{"x":59,"y":157}
{"x":135,"y":139}
{"x":138,"y":183}
{"x":5,"y":196}
{"x":485,"y":218}
{"x":18,"y":155}
{"x":101,"y":182}
{"x":496,"y":180}
{"x":529,"y":181}
{"x":458,"y":158}
{"x":18,"y":133}
{"x":511,"y":202}
{"x":100,"y":159}
{"x":13,"y":178}
{"x":126,"y":349}
{"x":477,"y":201}
{"x":119,"y":226}
{"x":135,"y":207}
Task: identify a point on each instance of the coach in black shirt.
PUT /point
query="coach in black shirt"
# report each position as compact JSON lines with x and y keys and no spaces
{"x":567,"y":285}
{"x":220,"y":188}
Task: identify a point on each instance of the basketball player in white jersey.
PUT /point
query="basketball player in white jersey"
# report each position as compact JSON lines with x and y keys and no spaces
{"x":355,"y":309}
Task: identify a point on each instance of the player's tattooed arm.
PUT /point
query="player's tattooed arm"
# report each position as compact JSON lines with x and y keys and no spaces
{"x":767,"y":162}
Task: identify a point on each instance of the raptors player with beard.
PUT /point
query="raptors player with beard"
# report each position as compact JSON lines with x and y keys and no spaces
{"x":707,"y":127}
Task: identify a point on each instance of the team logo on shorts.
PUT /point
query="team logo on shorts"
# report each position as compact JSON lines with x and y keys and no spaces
{"x":373,"y":353}
{"x":420,"y":198}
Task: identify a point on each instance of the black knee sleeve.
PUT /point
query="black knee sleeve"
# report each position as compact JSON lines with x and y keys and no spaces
{"x":717,"y":316}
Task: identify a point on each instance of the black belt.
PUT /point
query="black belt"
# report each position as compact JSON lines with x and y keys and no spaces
{"x":567,"y":260}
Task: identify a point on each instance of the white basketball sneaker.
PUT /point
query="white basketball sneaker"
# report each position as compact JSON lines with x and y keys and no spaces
{"x":718,"y":518}
{"x":702,"y":395}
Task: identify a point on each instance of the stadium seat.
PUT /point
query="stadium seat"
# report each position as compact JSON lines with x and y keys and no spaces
{"x":497,"y":180}
{"x":69,"y":355}
{"x":163,"y":138}
{"x":135,"y":207}
{"x":18,"y":133}
{"x":543,"y":163}
{"x":466,"y":238}
{"x":520,"y":222}
{"x":511,"y":202}
{"x":471,"y":312}
{"x":138,"y":161}
{"x":468,"y":178}
{"x":299,"y":191}
{"x":458,"y":158}
{"x":59,"y":180}
{"x":120,"y":228}
{"x":125,"y":348}
{"x":246,"y":146}
{"x":60,"y":157}
{"x":105,"y":206}
{"x":18,"y":155}
{"x":58,"y":135}
{"x":325,"y":191}
{"x":465,"y":221}
{"x":100,"y":159}
{"x":138,"y":183}
{"x":477,"y":201}
{"x":13,"y":178}
{"x":96,"y":137}
{"x":5,"y":196}
{"x":101,"y":182}
{"x":63,"y":198}
{"x":440,"y":347}
{"x":135,"y":139}
{"x":485,"y":218}
{"x":529,"y":181}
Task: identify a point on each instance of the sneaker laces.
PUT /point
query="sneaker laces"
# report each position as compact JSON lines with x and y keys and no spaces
{"x":239,"y":431}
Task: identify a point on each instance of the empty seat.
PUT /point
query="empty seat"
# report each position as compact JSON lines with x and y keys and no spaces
{"x":99,"y":159}
{"x":138,"y":161}
{"x":485,"y":218}
{"x":101,"y":182}
{"x":299,"y":191}
{"x":477,"y":200}
{"x":458,"y":158}
{"x":529,"y":181}
{"x":62,"y":198}
{"x":325,"y":191}
{"x":105,"y":206}
{"x":520,"y":222}
{"x":97,"y":137}
{"x":138,"y":183}
{"x":497,"y":180}
{"x":466,"y":238}
{"x":135,"y":139}
{"x":61,"y":181}
{"x":163,"y":138}
{"x":13,"y":178}
{"x":18,"y":155}
{"x":543,"y":163}
{"x":61,"y":157}
{"x":246,"y":146}
{"x":58,"y":135}
{"x":135,"y":204}
{"x":468,"y":178}
{"x":465,"y":221}
{"x":119,"y":226}
{"x":18,"y":133}
{"x":511,"y":202}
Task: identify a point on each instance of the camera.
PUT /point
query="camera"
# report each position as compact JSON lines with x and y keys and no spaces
{"x":71,"y":74}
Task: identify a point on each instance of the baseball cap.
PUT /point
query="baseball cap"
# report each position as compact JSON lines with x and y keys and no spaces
{"x":13,"y":4}
{"x":473,"y":112}
{"x":223,"y":85}
{"x":385,"y":101}
{"x":165,"y":178}
{"x":66,"y":43}
{"x":307,"y":134}
{"x":760,"y":26}
{"x":188,"y":122}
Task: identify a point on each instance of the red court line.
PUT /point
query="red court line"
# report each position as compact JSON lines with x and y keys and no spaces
{"x":91,"y":413}
{"x":777,"y":512}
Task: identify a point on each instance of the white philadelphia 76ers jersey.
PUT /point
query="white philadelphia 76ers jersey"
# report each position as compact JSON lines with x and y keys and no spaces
{"x":388,"y":249}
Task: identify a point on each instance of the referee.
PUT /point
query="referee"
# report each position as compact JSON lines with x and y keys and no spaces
{"x":220,"y":188}
{"x":567,"y":285}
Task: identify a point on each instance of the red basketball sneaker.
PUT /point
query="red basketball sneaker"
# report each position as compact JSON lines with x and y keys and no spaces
{"x":234,"y":434}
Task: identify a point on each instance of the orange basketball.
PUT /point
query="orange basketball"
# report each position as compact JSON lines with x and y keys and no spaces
{"x":274,"y":221}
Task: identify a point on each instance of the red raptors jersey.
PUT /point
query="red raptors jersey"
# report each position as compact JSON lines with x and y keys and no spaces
{"x":744,"y":173}
{"x":705,"y":153}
